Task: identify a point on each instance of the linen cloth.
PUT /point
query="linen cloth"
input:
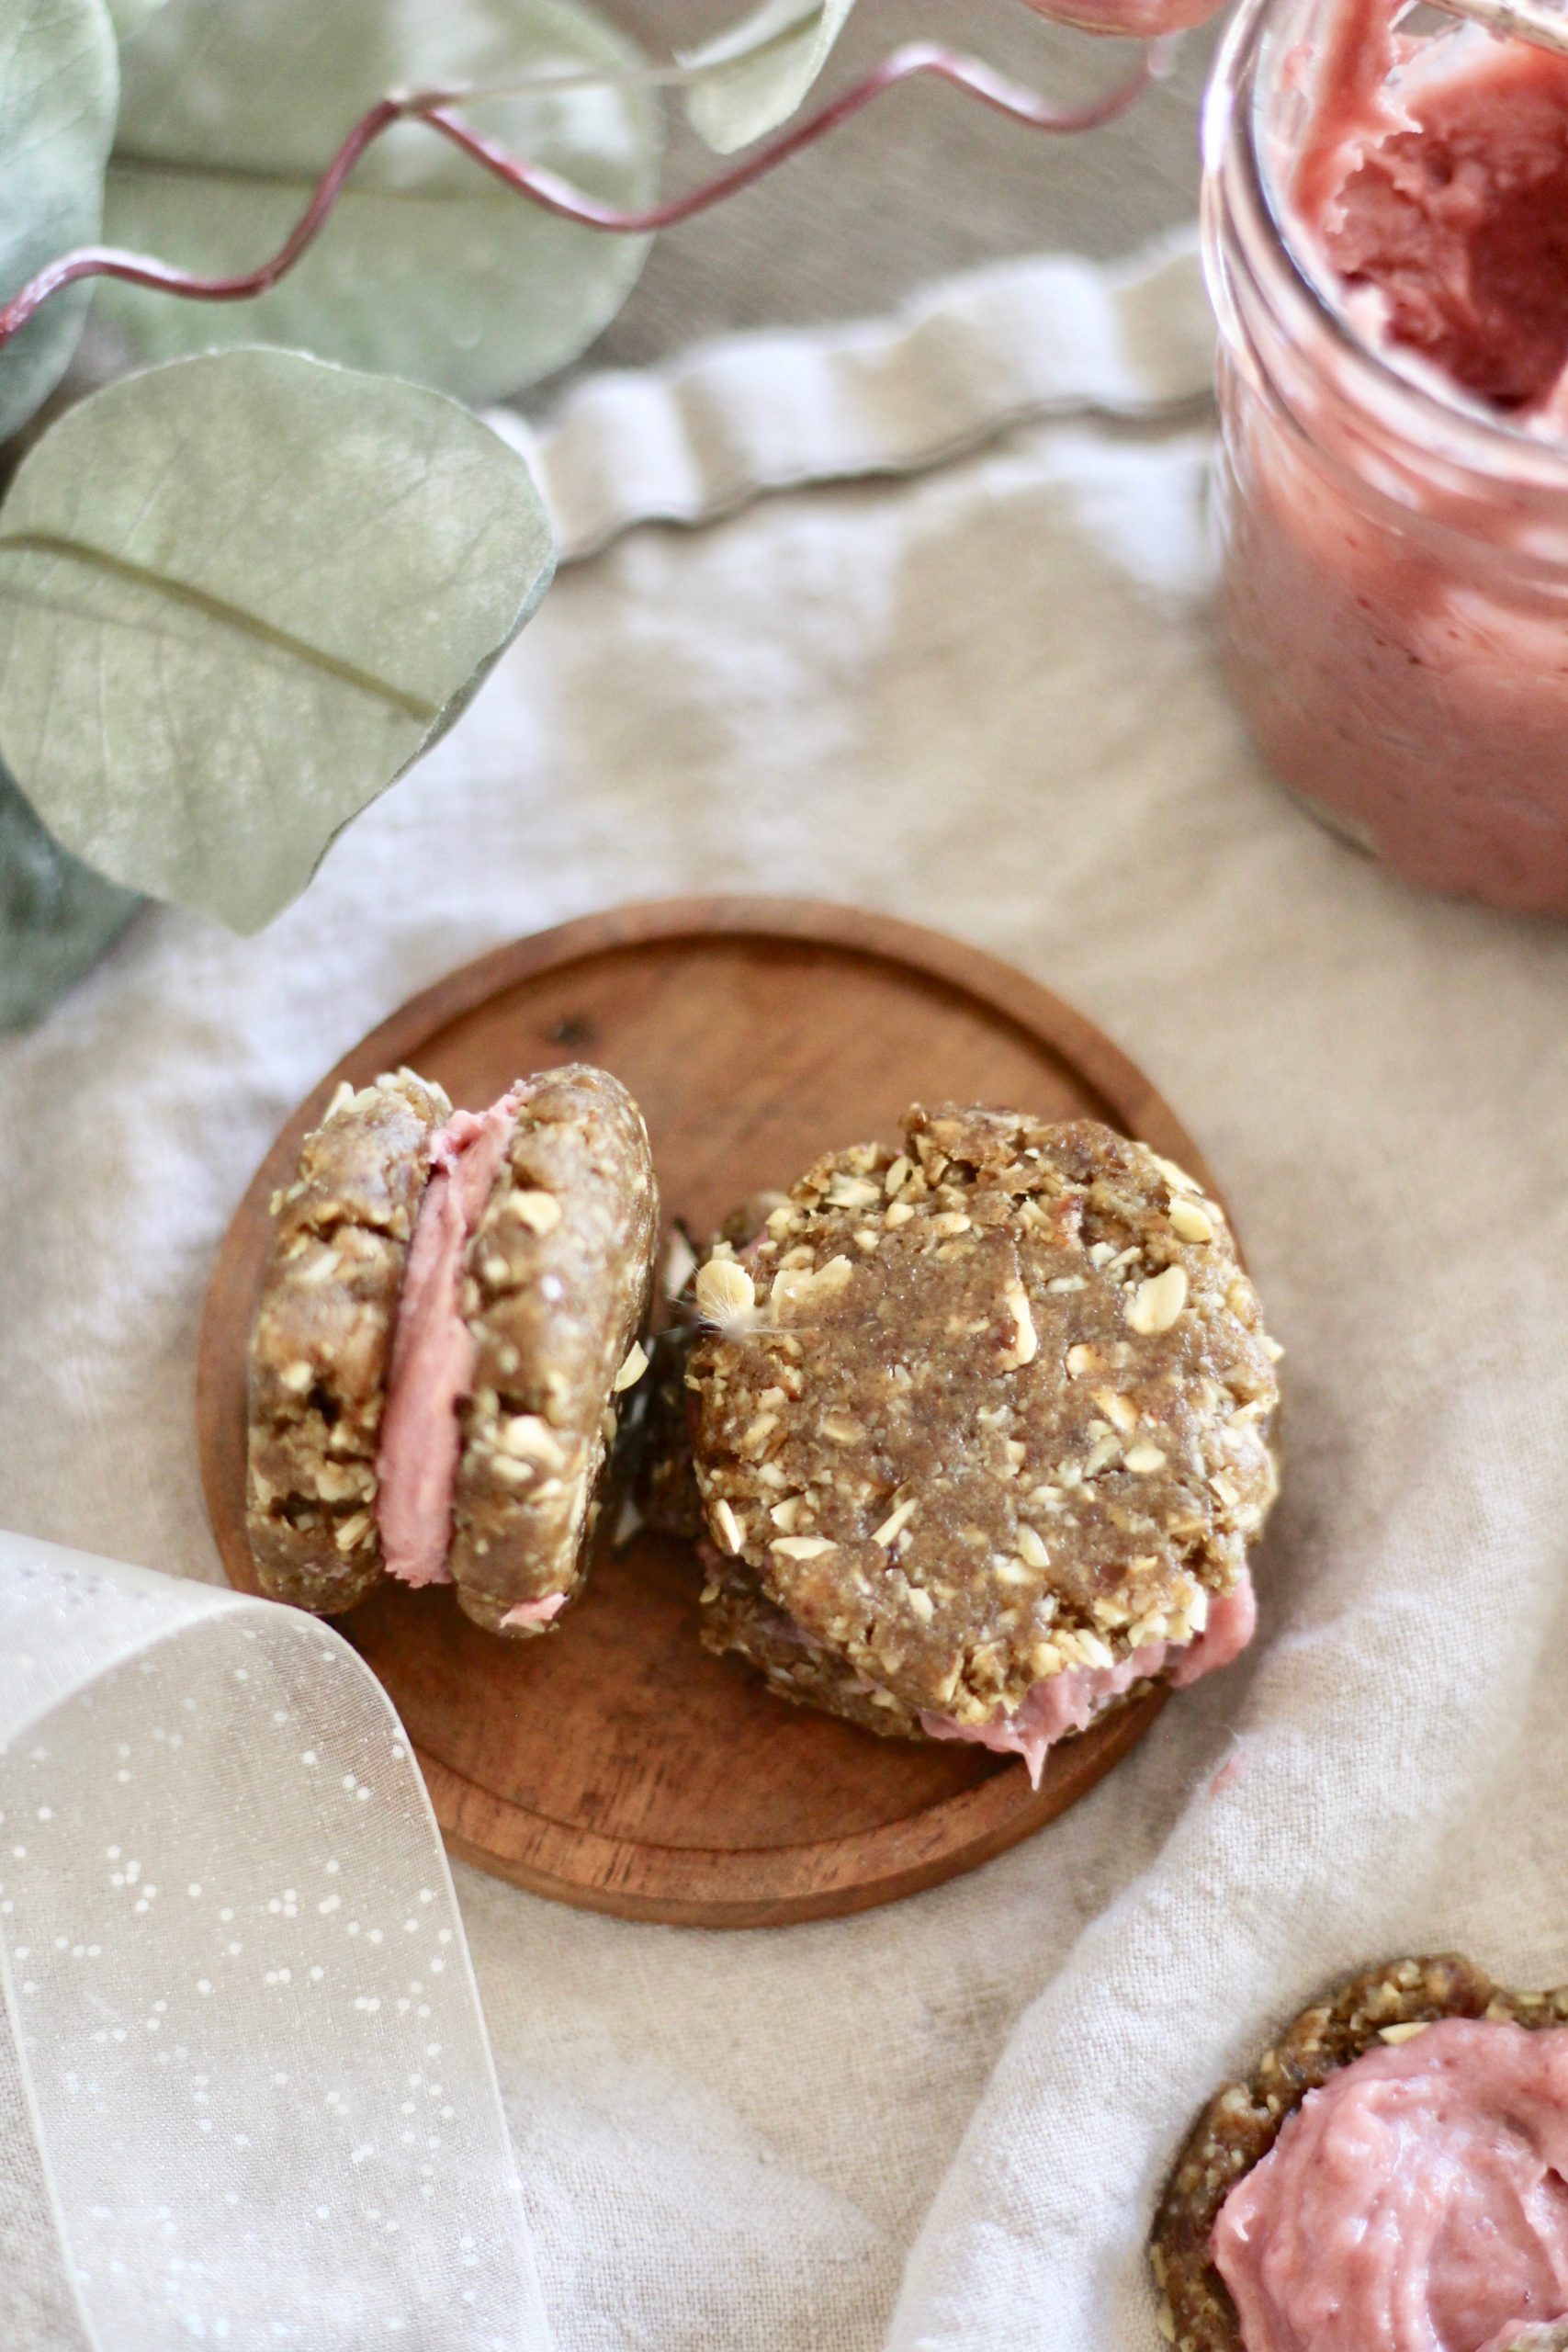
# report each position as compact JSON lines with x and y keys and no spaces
{"x":984,"y":695}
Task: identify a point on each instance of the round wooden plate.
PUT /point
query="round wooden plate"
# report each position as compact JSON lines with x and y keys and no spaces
{"x":615,"y":1764}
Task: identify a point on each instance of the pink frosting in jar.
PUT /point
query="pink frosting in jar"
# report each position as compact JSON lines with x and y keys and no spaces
{"x":1418,"y":2202}
{"x":1393,"y":480}
{"x":432,"y":1354}
{"x":1069,"y":1702}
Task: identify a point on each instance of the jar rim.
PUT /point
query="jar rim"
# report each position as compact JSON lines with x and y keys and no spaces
{"x":1238,"y":195}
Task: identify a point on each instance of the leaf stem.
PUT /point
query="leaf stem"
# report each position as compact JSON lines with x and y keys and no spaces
{"x":915,"y":59}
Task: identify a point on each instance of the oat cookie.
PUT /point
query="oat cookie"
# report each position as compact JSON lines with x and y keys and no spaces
{"x":556,"y":1293}
{"x":319,"y":1353}
{"x":972,"y":1413}
{"x":1241,"y":2123}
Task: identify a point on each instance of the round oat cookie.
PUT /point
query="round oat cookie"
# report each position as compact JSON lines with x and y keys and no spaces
{"x":558,"y":1280}
{"x":975,"y":1412}
{"x":1241,"y":2123}
{"x":320,"y":1348}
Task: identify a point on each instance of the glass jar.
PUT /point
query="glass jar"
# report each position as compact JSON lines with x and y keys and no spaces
{"x":1395,"y":563}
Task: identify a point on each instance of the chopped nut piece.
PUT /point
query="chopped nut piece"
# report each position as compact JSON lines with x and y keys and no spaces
{"x":896,"y":1523}
{"x":728,"y":1530}
{"x":1157,"y":1303}
{"x":801,"y":1547}
{"x":854,"y":1193}
{"x":1145,"y":1460}
{"x":540,"y":1212}
{"x":1174,"y":1176}
{"x":631,"y":1372}
{"x":529,"y":1438}
{"x":1190,"y":1220}
{"x":1119,"y":1410}
{"x":725,"y":1292}
{"x":1024,"y":1344}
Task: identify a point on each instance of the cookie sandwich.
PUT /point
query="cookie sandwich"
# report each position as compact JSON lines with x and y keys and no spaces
{"x":979,"y":1429}
{"x":451,"y":1309}
{"x":1389,"y":2175}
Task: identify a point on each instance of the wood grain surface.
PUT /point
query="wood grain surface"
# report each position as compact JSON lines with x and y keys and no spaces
{"x":615,"y":1764}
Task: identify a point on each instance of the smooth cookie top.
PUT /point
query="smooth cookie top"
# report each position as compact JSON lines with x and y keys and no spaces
{"x":985,"y":1408}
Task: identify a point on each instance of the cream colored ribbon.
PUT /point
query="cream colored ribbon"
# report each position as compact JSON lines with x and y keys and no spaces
{"x":234,"y":1961}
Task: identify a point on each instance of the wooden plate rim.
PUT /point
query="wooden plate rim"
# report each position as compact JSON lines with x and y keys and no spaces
{"x":973,"y":1825}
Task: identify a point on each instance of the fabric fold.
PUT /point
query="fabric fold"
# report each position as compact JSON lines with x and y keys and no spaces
{"x":960,"y":363}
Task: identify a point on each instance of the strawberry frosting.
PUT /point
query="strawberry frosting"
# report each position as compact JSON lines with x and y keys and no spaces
{"x":534,"y":1613}
{"x":1417,"y":2202}
{"x":434,"y":1355}
{"x":1069,"y":1702}
{"x":1395,"y":612}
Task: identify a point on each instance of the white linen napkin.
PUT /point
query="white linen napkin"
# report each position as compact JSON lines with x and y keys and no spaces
{"x":982,"y":696}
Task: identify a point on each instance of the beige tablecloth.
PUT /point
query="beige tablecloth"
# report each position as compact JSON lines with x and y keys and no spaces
{"x":984,"y":696}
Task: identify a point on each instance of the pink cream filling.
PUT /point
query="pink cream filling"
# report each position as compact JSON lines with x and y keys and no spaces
{"x":536,"y":1613}
{"x":1418,"y":2202}
{"x":432,"y":1354}
{"x":1069,"y":1702}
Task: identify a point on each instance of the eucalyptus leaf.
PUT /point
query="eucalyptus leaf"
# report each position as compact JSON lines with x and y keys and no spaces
{"x":429,"y":267}
{"x":57,"y":916}
{"x":130,"y":15}
{"x":58,"y":81}
{"x":238,"y":595}
{"x":757,"y":72}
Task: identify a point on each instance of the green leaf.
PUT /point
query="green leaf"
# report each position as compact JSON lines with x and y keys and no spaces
{"x":760,"y":69}
{"x":130,"y":15}
{"x":238,"y":596}
{"x":58,"y":85}
{"x":429,"y":268}
{"x":57,"y":916}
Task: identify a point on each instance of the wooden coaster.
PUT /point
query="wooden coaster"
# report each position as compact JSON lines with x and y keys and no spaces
{"x":615,"y":1764}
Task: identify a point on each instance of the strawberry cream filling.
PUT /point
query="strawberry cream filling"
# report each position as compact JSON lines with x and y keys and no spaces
{"x":1069,"y":1702}
{"x":433,"y":1353}
{"x":1417,"y":2202}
